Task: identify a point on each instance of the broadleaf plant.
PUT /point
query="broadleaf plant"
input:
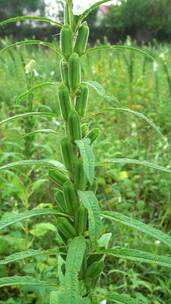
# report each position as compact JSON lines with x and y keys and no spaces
{"x":79,"y":221}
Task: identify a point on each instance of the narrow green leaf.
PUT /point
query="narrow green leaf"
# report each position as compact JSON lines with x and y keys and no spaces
{"x":133,"y":223}
{"x":47,"y":131}
{"x":24,"y":281}
{"x":139,"y":256}
{"x":31,"y":18}
{"x":100,"y":90}
{"x":24,"y":115}
{"x":88,"y":158}
{"x":75,"y":257}
{"x":18,"y":217}
{"x":138,"y":114}
{"x":27,"y":254}
{"x":125,"y":161}
{"x":37,"y":86}
{"x":54,"y":297}
{"x":121,"y":47}
{"x":91,"y":8}
{"x":90,"y":202}
{"x":44,"y":162}
{"x":31,"y":42}
{"x":116,"y":298}
{"x":74,"y":260}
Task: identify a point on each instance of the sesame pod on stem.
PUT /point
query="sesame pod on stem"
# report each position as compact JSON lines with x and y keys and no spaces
{"x":81,"y":220}
{"x":79,"y":175}
{"x":66,"y":41}
{"x":82,"y":39}
{"x":74,"y":71}
{"x":64,"y":101}
{"x":74,"y":126}
{"x":82,"y":100}
{"x":64,"y":72}
{"x":93,"y":134}
{"x":58,"y":177}
{"x":71,"y":198}
{"x":65,"y":228}
{"x":67,"y":153}
{"x":61,"y":201}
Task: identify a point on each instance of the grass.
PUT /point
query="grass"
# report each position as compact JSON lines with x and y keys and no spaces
{"x":137,"y":83}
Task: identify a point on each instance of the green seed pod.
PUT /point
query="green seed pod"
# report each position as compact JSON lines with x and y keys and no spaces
{"x":58,"y":177}
{"x":81,"y":220}
{"x":65,"y":101}
{"x":94,"y":270}
{"x":79,"y":176}
{"x":61,"y":201}
{"x":66,"y":41}
{"x":82,"y":39}
{"x":74,"y":126}
{"x":67,"y":153}
{"x":82,"y":100}
{"x":65,"y":228}
{"x":71,"y":198}
{"x":74,"y":71}
{"x":64,"y":72}
{"x":93,"y":134}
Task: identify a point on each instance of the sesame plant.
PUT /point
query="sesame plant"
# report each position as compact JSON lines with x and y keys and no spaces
{"x":83,"y":241}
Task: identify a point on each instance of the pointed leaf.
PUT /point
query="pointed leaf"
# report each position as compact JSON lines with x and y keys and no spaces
{"x":87,"y":157}
{"x":31,"y":42}
{"x":24,"y":115}
{"x":121,"y":47}
{"x":37,"y":86}
{"x":139,"y":256}
{"x":100,"y":90}
{"x":138,"y":114}
{"x":90,"y":202}
{"x":75,"y":257}
{"x":31,"y":18}
{"x":27,"y":254}
{"x":144,"y":163}
{"x":44,"y":162}
{"x":133,"y":223}
{"x":18,"y":217}
{"x":91,"y":8}
{"x":74,"y":260}
{"x":46,"y":131}
{"x":24,"y":281}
